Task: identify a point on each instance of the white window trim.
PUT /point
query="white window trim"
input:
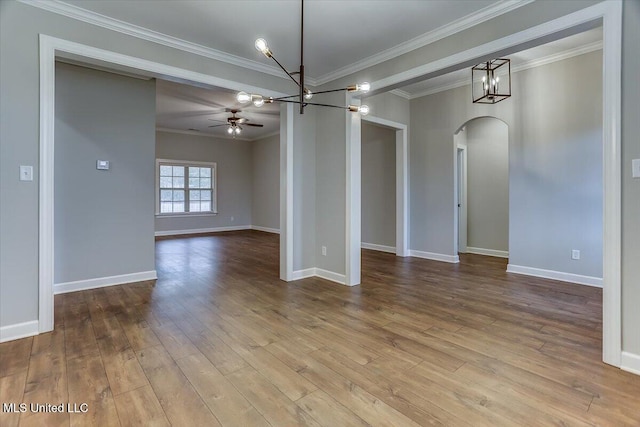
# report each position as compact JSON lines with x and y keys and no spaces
{"x":186,"y":163}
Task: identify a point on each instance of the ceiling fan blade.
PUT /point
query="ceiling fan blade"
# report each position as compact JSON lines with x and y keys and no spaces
{"x":242,"y":120}
{"x":254,"y":125}
{"x":215,"y":126}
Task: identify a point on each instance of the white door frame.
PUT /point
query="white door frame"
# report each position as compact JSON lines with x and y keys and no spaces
{"x":402,"y":181}
{"x":460,"y":209}
{"x":50,"y":48}
{"x":610,"y":13}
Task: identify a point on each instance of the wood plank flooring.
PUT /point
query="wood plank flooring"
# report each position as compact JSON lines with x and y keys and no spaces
{"x":219,"y":340}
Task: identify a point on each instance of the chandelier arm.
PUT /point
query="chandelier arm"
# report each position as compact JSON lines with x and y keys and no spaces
{"x":311,"y":103}
{"x":285,"y":70}
{"x":331,"y":90}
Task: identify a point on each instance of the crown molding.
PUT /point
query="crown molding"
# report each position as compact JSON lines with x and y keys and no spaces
{"x":560,"y":56}
{"x":75,"y":12}
{"x":485,"y":14}
{"x":401,"y":93}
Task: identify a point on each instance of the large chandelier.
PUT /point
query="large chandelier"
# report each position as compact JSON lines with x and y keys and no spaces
{"x":491,"y":81}
{"x":304,"y":95}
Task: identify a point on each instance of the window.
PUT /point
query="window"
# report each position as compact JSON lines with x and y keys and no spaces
{"x":185,"y":187}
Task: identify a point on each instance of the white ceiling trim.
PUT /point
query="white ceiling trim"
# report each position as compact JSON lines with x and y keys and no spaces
{"x":75,"y":12}
{"x":591,"y":47}
{"x":456,"y":26}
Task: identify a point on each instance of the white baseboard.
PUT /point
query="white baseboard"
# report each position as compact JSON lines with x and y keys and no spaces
{"x":555,"y":275}
{"x":101,"y":282}
{"x":630,"y":362}
{"x":202,"y":230}
{"x":376,"y":247}
{"x":265,"y":229}
{"x":319,"y":272}
{"x":19,"y":330}
{"x":330,"y":275}
{"x":434,"y":256}
{"x":488,"y":252}
{"x":303,"y":274}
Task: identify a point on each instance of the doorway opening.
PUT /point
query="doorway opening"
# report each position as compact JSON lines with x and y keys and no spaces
{"x":482,"y":187}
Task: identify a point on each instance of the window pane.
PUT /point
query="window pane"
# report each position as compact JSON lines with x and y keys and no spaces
{"x":194,"y":195}
{"x":193,"y":172}
{"x":205,"y":183}
{"x":178,"y":206}
{"x":205,"y":195}
{"x":205,"y":206}
{"x":165,"y":170}
{"x":165,"y":195}
{"x":178,"y":171}
{"x":165,"y":182}
{"x":166,"y":207}
{"x":194,"y":206}
{"x":178,"y":195}
{"x":194,"y":182}
{"x":205,"y":172}
{"x":178,"y":182}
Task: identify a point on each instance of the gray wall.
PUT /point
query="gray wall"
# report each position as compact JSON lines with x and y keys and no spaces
{"x":487,"y":184}
{"x":330,"y":184}
{"x":630,"y":186}
{"x":103,"y":219}
{"x":266,"y":182}
{"x":234,"y":178}
{"x":555,"y":165}
{"x":378,"y":185}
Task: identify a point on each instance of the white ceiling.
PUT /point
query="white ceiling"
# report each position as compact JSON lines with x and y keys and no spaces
{"x":338,"y":33}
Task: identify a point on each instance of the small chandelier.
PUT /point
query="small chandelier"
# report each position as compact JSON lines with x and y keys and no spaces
{"x":304,"y":95}
{"x":491,"y":81}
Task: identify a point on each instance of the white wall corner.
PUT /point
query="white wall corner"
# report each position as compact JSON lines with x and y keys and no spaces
{"x":555,"y":275}
{"x":434,"y":256}
{"x":630,"y":362}
{"x":19,"y":330}
{"x":101,"y":282}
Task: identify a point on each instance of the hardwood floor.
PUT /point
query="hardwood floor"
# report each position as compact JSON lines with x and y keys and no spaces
{"x":219,"y":340}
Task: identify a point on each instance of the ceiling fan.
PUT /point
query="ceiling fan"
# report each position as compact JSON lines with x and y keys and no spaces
{"x":234,"y":123}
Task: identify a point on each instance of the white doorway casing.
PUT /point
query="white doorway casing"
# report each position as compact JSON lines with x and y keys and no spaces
{"x":460,"y":210}
{"x":50,"y":48}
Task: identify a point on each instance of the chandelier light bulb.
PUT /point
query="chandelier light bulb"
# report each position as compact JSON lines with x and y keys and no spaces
{"x":364,"y":86}
{"x":243,"y":97}
{"x":258,"y":101}
{"x":261,"y":45}
{"x":308,"y":94}
{"x":363,"y":110}
{"x":230,"y":130}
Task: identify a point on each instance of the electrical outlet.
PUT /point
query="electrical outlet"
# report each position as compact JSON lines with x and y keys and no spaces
{"x":635,"y":165}
{"x":575,"y":254}
{"x":324,"y":251}
{"x":233,"y":219}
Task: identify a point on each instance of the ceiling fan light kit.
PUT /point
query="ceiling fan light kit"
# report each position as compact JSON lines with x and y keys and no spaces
{"x":304,"y":95}
{"x":234,"y":123}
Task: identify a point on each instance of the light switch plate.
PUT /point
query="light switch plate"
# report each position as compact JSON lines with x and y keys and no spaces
{"x":26,"y":173}
{"x":635,"y":165}
{"x":102,"y":165}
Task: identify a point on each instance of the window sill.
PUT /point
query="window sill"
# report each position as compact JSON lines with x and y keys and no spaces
{"x":185,"y":215}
